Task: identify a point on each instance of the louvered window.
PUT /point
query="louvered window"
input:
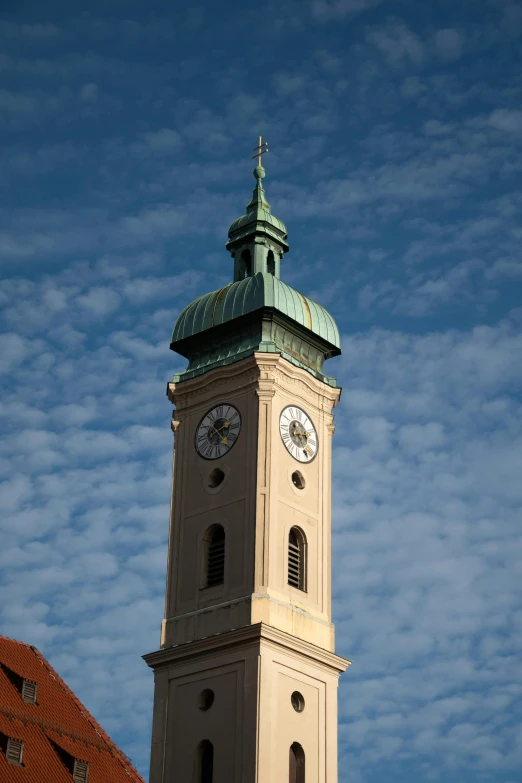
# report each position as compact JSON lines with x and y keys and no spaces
{"x":205,"y":762}
{"x":29,"y":691}
{"x":76,"y":767}
{"x":80,"y":771}
{"x":215,"y":556}
{"x":14,"y":751}
{"x":297,"y":764}
{"x":297,"y":559}
{"x":246,"y":264}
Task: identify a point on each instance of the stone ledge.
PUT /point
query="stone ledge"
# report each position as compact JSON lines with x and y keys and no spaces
{"x":246,"y":637}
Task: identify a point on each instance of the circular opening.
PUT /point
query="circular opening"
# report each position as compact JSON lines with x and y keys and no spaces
{"x":298,"y":479}
{"x":298,"y":702}
{"x":206,"y":699}
{"x":215,"y":478}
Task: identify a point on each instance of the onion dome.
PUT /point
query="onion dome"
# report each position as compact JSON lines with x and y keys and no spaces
{"x":257,"y":311}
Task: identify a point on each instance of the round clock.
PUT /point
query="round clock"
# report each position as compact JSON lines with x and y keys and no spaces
{"x":217,"y":431}
{"x":298,"y":434}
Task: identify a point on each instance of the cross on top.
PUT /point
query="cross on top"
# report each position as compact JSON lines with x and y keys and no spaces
{"x":260,"y":150}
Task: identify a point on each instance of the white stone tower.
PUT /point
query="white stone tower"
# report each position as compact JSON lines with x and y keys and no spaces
{"x":246,"y":676}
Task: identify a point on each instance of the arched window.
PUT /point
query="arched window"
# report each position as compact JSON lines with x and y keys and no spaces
{"x":204,"y":762}
{"x":297,"y":559}
{"x":245,"y":265}
{"x":297,"y":764}
{"x":214,"y":556}
{"x":270,"y":263}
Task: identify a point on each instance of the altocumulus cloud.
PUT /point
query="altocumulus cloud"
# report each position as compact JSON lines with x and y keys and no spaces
{"x":395,"y":162}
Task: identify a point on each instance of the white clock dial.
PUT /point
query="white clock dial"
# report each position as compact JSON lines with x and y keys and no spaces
{"x":217,"y":431}
{"x":298,"y":434}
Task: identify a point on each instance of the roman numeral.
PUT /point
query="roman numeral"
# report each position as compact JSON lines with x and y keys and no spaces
{"x":219,"y":412}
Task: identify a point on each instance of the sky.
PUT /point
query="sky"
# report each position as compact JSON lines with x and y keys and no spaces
{"x":395,"y":132}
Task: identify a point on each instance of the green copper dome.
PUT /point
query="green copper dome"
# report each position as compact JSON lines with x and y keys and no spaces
{"x":257,"y":312}
{"x":249,"y":295}
{"x":258,"y":215}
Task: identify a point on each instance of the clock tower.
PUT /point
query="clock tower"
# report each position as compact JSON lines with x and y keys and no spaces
{"x":246,"y":676}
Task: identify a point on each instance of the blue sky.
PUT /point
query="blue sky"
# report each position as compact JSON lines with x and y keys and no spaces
{"x":395,"y":134}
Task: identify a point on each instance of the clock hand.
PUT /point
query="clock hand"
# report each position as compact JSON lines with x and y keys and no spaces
{"x":217,"y":431}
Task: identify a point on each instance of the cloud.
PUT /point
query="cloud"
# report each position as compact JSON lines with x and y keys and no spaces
{"x":334,"y":9}
{"x":162,"y":142}
{"x":141,"y":290}
{"x":400,"y":189}
{"x":509,"y":120}
{"x":448,"y":43}
{"x":99,"y":301}
{"x":89,"y":92}
{"x":426,"y":568}
{"x":504,"y":267}
{"x":398,"y":44}
{"x":35,"y":32}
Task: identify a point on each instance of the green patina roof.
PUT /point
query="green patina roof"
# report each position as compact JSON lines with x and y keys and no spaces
{"x":257,"y":312}
{"x":246,"y":296}
{"x":258,"y":215}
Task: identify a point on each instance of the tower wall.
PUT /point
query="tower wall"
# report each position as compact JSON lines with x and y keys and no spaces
{"x":256,"y":504}
{"x":246,"y":677}
{"x":253,"y":673}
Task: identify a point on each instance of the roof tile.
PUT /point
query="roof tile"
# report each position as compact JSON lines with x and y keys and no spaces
{"x":57,"y":717}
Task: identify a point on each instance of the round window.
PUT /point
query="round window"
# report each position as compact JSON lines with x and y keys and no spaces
{"x":206,"y":699}
{"x":298,"y":702}
{"x":215,"y":478}
{"x":298,"y":479}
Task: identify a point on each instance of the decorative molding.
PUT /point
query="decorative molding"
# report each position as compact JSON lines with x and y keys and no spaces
{"x":261,"y":370}
{"x":250,"y":635}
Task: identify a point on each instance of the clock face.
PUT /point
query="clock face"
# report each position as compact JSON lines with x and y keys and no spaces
{"x":298,"y":434}
{"x":217,"y":431}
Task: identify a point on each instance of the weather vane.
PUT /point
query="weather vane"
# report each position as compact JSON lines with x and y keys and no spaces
{"x":263,"y":147}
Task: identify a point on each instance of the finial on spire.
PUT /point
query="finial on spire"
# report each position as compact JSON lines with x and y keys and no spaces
{"x":260,"y":150}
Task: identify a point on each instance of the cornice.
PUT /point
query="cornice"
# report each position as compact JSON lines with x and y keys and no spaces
{"x":244,"y":373}
{"x":260,"y":371}
{"x":281,"y":368}
{"x":250,"y":635}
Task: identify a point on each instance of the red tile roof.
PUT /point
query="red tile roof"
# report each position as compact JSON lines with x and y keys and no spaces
{"x":58,"y":717}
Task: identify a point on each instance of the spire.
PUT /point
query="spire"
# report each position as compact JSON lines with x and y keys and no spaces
{"x":258,"y":199}
{"x":257,"y":240}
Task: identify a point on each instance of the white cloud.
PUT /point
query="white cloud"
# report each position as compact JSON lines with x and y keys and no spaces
{"x":448,"y":43}
{"x":509,"y":120}
{"x":99,"y":300}
{"x":398,"y":44}
{"x":88,"y":92}
{"x":400,"y":189}
{"x":165,"y":140}
{"x":335,"y":9}
{"x":142,"y":290}
{"x":30,"y":31}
